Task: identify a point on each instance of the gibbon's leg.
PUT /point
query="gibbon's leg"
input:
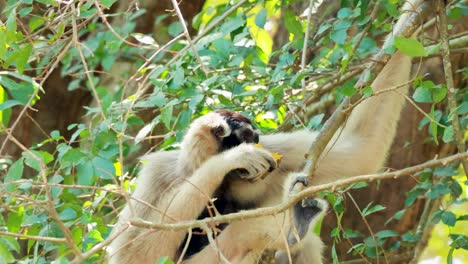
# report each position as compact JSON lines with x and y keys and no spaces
{"x":369,"y":131}
{"x":304,"y":245}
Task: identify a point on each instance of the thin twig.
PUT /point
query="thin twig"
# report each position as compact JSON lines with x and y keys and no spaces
{"x":187,"y":36}
{"x":371,"y":232}
{"x":306,"y":41}
{"x":38,"y":238}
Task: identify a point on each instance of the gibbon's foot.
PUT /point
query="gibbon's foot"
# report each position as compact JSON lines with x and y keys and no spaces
{"x":304,"y":212}
{"x":254,"y":163}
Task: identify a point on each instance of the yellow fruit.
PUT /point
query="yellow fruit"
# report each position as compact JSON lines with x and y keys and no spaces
{"x":275,"y":155}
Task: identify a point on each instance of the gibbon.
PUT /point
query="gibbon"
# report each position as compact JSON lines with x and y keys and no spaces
{"x":358,"y":148}
{"x":178,"y":185}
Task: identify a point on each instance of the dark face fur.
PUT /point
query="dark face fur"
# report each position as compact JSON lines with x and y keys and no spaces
{"x":242,"y":130}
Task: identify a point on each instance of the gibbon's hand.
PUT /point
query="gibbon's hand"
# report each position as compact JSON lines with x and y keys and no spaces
{"x":253,"y":163}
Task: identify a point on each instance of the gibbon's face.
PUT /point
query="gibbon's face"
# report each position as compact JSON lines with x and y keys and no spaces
{"x":242,"y":130}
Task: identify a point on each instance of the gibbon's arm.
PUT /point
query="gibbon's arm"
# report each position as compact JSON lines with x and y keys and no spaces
{"x":196,"y":191}
{"x":186,"y":202}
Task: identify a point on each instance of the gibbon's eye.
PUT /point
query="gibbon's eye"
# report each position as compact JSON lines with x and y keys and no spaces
{"x":218,"y":131}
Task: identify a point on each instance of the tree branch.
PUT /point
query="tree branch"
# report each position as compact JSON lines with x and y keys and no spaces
{"x":293,"y":199}
{"x":452,"y":102}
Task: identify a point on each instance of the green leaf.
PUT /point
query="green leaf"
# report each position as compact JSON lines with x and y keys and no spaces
{"x":33,"y":158}
{"x":175,"y":29}
{"x":178,"y":78}
{"x":369,"y":210}
{"x":340,"y":32}
{"x":433,"y":125}
{"x":11,"y":243}
{"x":463,"y":218}
{"x":107,"y":3}
{"x":195,"y":100}
{"x":422,"y":95}
{"x":166,"y":116}
{"x":11,"y":23}
{"x":23,"y":56}
{"x":409,"y":237}
{"x":20,"y":91}
{"x":15,"y":172}
{"x":73,"y":156}
{"x":164,"y":260}
{"x":67,"y":214}
{"x":232,"y":24}
{"x":315,"y":121}
{"x":360,"y":185}
{"x":6,"y":256}
{"x":463,"y":108}
{"x":334,"y":255}
{"x":449,"y":218}
{"x":261,"y":18}
{"x":104,"y":168}
{"x":85,"y":173}
{"x":438,"y":93}
{"x":344,"y":12}
{"x":57,"y":189}
{"x":292,"y":24}
{"x":35,"y":22}
{"x":348,"y":233}
{"x":445,"y":171}
{"x":367,"y":91}
{"x":3,"y":43}
{"x":410,"y":47}
{"x":448,"y":134}
{"x":386,"y":234}
{"x":9,"y":104}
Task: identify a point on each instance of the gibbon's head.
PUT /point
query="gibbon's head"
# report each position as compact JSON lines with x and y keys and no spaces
{"x":241,"y":130}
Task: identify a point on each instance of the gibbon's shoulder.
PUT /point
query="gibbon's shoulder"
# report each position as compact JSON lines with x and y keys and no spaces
{"x":157,"y":163}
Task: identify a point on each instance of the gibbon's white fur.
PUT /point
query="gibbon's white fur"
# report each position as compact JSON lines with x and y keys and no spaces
{"x":179,"y":184}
